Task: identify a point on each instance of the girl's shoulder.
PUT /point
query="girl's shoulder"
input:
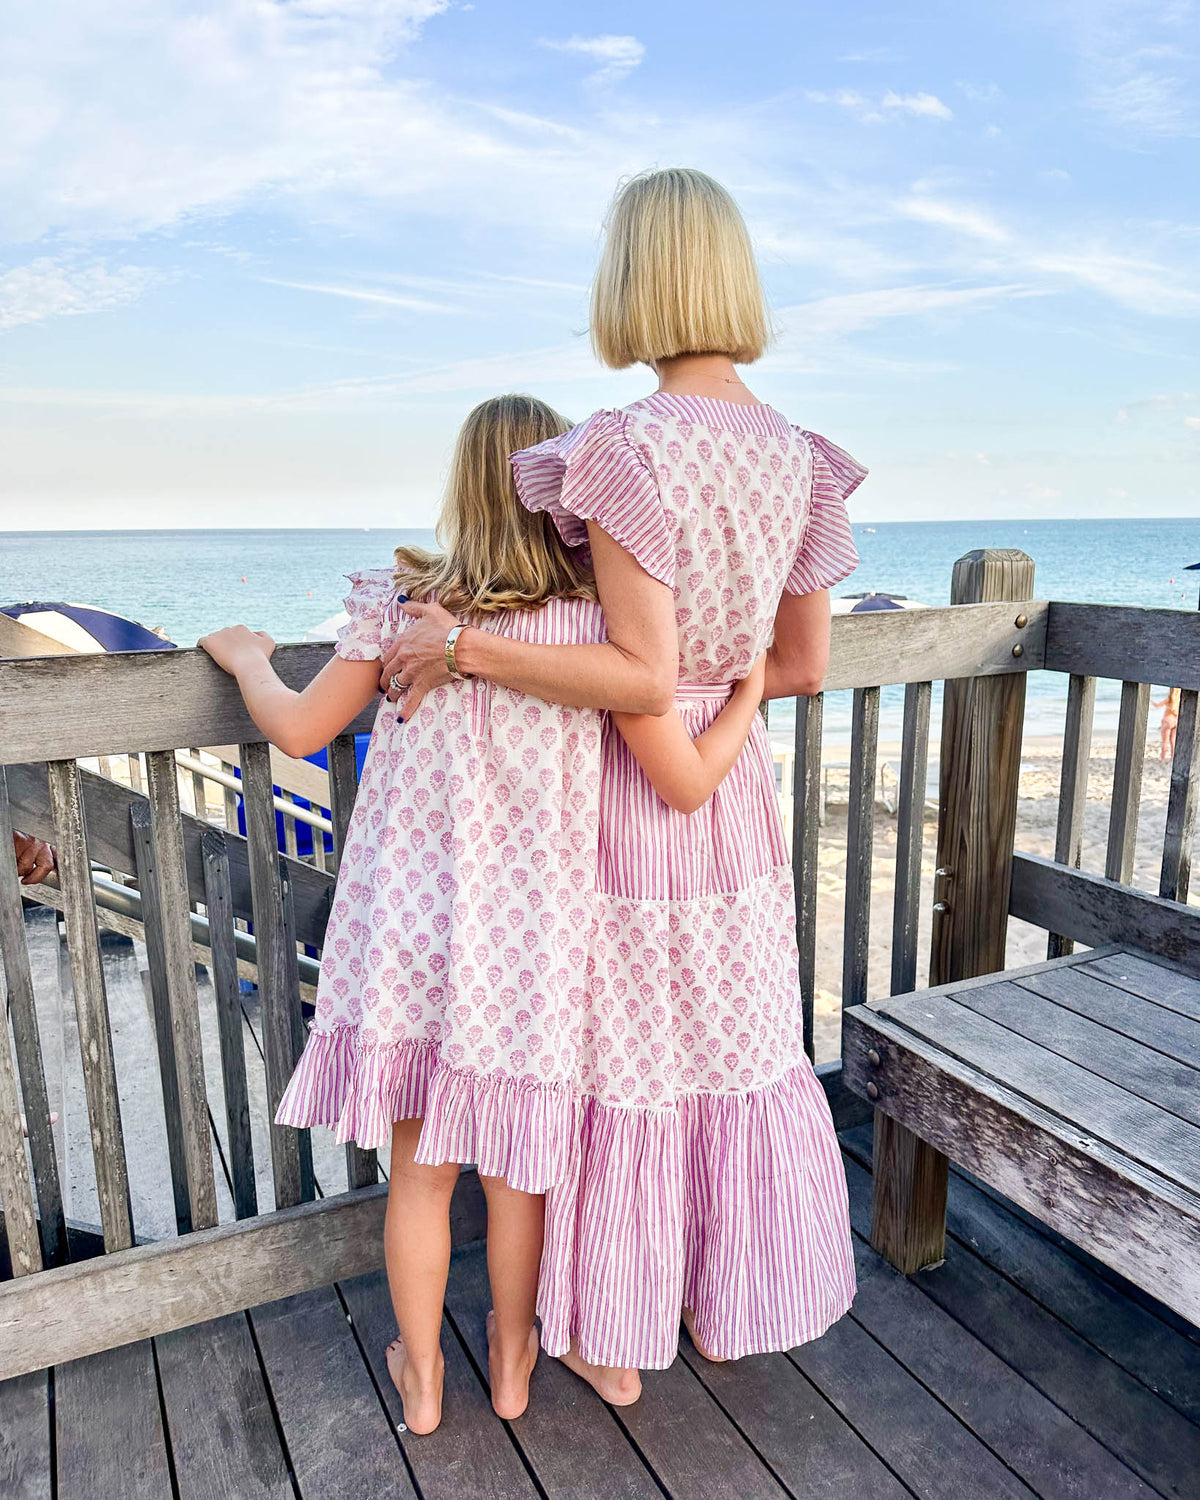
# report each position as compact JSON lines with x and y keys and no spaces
{"x":373,"y":612}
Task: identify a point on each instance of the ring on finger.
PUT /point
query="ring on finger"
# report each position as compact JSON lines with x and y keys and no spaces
{"x":396,"y":685}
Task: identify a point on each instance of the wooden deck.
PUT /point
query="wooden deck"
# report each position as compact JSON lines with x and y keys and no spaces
{"x":1017,"y":1369}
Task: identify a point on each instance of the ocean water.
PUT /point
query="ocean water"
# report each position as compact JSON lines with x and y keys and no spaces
{"x":190,"y":582}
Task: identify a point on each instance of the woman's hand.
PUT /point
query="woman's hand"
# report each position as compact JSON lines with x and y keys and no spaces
{"x":235,"y":645}
{"x":35,"y":858}
{"x":418,"y":659}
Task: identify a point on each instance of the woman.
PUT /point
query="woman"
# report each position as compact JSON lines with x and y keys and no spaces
{"x":705,"y":1176}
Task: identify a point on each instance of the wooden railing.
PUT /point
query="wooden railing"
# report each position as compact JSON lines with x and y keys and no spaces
{"x":56,"y":711}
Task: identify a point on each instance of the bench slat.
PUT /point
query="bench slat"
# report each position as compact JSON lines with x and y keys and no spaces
{"x":1142,"y":1020}
{"x":1140,"y":1223}
{"x":1170,"y":1145}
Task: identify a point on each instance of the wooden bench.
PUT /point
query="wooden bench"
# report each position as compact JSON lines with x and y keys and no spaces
{"x":1071,"y":1086}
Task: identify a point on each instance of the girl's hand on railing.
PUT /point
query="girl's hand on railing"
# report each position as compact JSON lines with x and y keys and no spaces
{"x":232,"y":647}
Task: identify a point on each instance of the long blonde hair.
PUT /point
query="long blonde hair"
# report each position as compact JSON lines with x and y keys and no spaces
{"x":495,"y":554}
{"x":678,"y":274}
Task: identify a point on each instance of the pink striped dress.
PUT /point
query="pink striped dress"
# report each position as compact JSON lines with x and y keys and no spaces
{"x":453,"y":973}
{"x":705,"y":1171}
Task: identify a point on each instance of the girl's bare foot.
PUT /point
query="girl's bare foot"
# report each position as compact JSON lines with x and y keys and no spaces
{"x":421,"y":1400}
{"x":509,"y":1380}
{"x":612,"y":1383}
{"x":689,"y":1322}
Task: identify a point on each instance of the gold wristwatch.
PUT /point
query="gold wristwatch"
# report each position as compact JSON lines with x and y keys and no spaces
{"x":451,"y":664}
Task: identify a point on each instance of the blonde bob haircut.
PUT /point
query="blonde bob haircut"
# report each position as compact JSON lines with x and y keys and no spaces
{"x":677,"y":275}
{"x":496,"y":554}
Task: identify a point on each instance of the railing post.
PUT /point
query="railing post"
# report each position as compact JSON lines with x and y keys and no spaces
{"x":982,"y":719}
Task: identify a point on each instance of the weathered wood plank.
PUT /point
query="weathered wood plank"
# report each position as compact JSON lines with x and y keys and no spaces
{"x":963,"y":1025}
{"x":558,"y":1403}
{"x":180,"y":973}
{"x":22,"y":1012}
{"x":1138,"y":1222}
{"x":93,"y":1305}
{"x":91,"y":1006}
{"x":1072,"y":793}
{"x":238,"y":1143}
{"x":470,"y":1456}
{"x":975,"y":640}
{"x":362,"y":1169}
{"x":908,"y":1215}
{"x":806,"y":833}
{"x":980,"y":765}
{"x":64,"y":707}
{"x":926,"y":1447}
{"x":1095,"y":910}
{"x":1133,"y":1423}
{"x":25,"y":1465}
{"x":1132,"y":1335}
{"x":338,"y":1436}
{"x":1157,"y":1026}
{"x":16,"y":1195}
{"x":860,"y":836}
{"x":1183,"y":802}
{"x":1031,"y":1434}
{"x":1173,"y":988}
{"x":1124,"y":642}
{"x":982,"y":721}
{"x":296,"y":1018}
{"x":807,"y":1444}
{"x":224,"y":1441}
{"x":1133,"y":1067}
{"x":109,"y":1427}
{"x":274,"y":960}
{"x":910,"y":831}
{"x":75,"y":1310}
{"x":107,"y":805}
{"x":1127,"y":781}
{"x":175,"y":698}
{"x":160,"y":1004}
{"x":690,"y":1444}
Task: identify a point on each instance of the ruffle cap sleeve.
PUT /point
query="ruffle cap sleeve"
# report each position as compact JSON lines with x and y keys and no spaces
{"x":595,"y":473}
{"x":371,"y":594}
{"x":827,"y":553}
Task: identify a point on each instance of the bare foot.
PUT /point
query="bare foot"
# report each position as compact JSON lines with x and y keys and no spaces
{"x":422,"y":1402}
{"x":510,"y":1386}
{"x":689,"y":1322}
{"x":612,"y":1383}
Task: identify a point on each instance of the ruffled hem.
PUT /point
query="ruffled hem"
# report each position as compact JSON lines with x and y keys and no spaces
{"x":594,"y":473}
{"x":372,"y":594}
{"x":512,"y":1128}
{"x":733,"y":1205}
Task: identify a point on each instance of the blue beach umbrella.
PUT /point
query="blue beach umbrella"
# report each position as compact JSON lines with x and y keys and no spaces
{"x":1193,"y":568}
{"x":83,"y":627}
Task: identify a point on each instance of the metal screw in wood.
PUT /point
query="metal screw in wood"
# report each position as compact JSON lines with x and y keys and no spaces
{"x":1021,"y":621}
{"x":873,"y":1057}
{"x":941,"y":907}
{"x":1018,"y":649}
{"x":872,"y":1091}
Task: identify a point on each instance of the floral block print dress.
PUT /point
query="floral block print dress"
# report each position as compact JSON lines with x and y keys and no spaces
{"x":453,"y":973}
{"x":705,"y":1172}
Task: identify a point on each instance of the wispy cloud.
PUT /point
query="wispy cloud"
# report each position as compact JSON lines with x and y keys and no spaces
{"x":47,"y":288}
{"x":958,"y":216}
{"x":1133,"y":55}
{"x":1143,"y":285}
{"x":364,"y":294}
{"x":834,"y":316}
{"x":891,"y":105}
{"x":617,"y":55}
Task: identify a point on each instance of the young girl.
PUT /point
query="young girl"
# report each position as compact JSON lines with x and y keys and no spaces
{"x":455,"y":964}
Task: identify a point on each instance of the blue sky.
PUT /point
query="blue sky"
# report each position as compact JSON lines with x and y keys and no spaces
{"x":258,"y":259}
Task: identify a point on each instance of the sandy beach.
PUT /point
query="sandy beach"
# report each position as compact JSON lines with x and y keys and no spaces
{"x":1037,"y":813}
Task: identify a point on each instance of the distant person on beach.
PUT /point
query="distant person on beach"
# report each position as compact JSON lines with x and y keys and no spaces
{"x":1169,"y":724}
{"x":453,"y":983}
{"x":35,"y":858}
{"x":703,"y":1178}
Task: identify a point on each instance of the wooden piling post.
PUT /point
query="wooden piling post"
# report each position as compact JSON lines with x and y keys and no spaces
{"x":982,"y":719}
